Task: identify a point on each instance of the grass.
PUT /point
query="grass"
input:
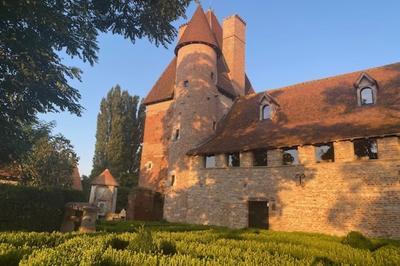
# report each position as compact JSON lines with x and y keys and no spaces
{"x":162,"y":243}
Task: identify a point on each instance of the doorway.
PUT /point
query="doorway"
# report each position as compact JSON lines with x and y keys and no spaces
{"x":258,"y":214}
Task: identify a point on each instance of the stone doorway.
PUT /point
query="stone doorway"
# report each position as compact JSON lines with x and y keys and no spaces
{"x":258,"y":214}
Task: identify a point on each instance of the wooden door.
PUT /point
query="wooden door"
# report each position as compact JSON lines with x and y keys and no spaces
{"x":258,"y":214}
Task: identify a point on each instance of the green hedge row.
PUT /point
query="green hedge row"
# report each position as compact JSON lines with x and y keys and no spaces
{"x":33,"y":209}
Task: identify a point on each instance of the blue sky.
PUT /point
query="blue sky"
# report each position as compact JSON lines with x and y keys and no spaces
{"x":287,"y":42}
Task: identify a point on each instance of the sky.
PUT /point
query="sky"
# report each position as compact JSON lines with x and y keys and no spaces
{"x":288,"y":42}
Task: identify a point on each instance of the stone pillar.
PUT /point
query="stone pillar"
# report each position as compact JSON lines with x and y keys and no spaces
{"x":306,"y":154}
{"x":344,"y":151}
{"x":88,"y":223}
{"x":388,"y":148}
{"x":246,"y":159}
{"x":220,"y":161}
{"x":274,"y":157}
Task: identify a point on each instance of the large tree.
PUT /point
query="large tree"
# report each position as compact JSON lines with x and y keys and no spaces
{"x":119,"y":136}
{"x":33,"y":78}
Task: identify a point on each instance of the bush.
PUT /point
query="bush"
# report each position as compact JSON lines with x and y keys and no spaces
{"x":358,"y":240}
{"x":143,"y":241}
{"x":167,"y":247}
{"x":118,"y":244}
{"x":33,"y":209}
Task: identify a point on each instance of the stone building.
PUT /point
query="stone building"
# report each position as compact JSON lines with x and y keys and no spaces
{"x":320,"y":156}
{"x":103,"y":193}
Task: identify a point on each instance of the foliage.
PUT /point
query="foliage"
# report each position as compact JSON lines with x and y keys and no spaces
{"x":122,"y":198}
{"x":50,"y":162}
{"x":205,"y":247}
{"x":358,"y":240}
{"x":34,"y":209}
{"x":33,"y":78}
{"x":119,"y":136}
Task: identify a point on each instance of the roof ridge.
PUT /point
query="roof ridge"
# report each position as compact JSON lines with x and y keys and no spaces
{"x":326,"y":78}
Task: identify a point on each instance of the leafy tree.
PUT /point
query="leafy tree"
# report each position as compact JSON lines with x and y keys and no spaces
{"x":50,"y":161}
{"x":33,"y":78}
{"x":119,"y":136}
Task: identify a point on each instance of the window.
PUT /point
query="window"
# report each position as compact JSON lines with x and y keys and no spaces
{"x":260,"y":157}
{"x":265,"y":112}
{"x":186,"y":84}
{"x":365,"y":149}
{"x":212,"y":75}
{"x":172,"y":180}
{"x":177,"y":134}
{"x":290,"y":156}
{"x":148,"y":166}
{"x":324,"y":153}
{"x":233,"y":159}
{"x":214,"y":125}
{"x":209,"y":161}
{"x":367,"y":96}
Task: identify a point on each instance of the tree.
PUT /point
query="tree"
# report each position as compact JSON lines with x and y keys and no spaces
{"x":33,"y":78}
{"x":50,"y":161}
{"x":119,"y":136}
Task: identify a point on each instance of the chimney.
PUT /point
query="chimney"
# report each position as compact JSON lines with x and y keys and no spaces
{"x":182,"y":29}
{"x":234,"y":46}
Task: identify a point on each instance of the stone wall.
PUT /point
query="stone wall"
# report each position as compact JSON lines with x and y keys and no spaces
{"x":333,"y":197}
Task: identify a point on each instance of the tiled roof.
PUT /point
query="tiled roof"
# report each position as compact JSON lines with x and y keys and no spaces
{"x":76,"y":179}
{"x":312,"y":112}
{"x":105,"y":179}
{"x":198,"y":31}
{"x":164,"y":88}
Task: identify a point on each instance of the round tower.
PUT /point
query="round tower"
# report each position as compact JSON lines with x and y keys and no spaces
{"x":196,"y":99}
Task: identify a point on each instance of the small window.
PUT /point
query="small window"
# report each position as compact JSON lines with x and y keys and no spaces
{"x":209,"y":161}
{"x":260,"y":157}
{"x":290,"y":156}
{"x":177,"y":134}
{"x":212,"y":75}
{"x":365,"y":149}
{"x":233,"y":159}
{"x":324,"y":153}
{"x":214,"y":125}
{"x":367,"y":96}
{"x":266,"y":112}
{"x":172,"y":180}
{"x":186,"y":84}
{"x":149,"y":166}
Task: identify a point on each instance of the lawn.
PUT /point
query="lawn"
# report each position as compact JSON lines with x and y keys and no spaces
{"x":160,"y":243}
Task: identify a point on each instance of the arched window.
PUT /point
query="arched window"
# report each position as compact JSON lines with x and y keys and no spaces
{"x":367,"y":96}
{"x":266,"y":112}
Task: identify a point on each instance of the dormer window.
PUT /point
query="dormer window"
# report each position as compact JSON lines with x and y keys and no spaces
{"x":266,"y":112}
{"x":268,"y":107}
{"x":367,"y":90}
{"x":367,"y":96}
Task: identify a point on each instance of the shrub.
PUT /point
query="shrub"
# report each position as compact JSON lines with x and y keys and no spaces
{"x":10,"y":255}
{"x":118,"y":244}
{"x":143,"y":241}
{"x":167,"y":247}
{"x":358,"y":240}
{"x":322,"y":261}
{"x":33,"y":209}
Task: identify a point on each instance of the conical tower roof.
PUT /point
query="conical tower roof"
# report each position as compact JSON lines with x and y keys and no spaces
{"x":105,"y":179}
{"x":198,"y":31}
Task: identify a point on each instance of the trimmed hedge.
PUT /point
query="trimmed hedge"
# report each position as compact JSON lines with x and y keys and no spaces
{"x":33,"y":209}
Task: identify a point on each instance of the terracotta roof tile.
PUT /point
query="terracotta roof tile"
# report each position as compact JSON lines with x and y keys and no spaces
{"x":164,"y":88}
{"x":105,"y":179}
{"x":198,"y":31}
{"x":312,"y":112}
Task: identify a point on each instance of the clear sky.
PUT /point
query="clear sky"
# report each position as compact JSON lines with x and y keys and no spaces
{"x":288,"y":41}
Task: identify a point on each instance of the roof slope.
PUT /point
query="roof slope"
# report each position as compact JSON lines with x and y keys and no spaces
{"x":76,"y":179}
{"x":198,"y":31}
{"x":312,"y":112}
{"x":105,"y":179}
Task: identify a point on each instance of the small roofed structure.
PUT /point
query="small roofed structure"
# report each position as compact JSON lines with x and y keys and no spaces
{"x":76,"y":179}
{"x":103,"y":193}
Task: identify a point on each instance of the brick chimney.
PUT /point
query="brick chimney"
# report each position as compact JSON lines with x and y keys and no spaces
{"x":234,"y":46}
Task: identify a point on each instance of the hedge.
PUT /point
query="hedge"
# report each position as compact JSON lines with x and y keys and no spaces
{"x":33,"y":209}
